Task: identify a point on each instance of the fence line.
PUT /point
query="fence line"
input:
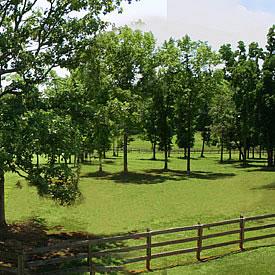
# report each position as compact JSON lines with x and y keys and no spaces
{"x":24,"y":262}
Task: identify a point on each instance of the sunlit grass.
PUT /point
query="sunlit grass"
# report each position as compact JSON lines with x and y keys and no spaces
{"x":148,"y":197}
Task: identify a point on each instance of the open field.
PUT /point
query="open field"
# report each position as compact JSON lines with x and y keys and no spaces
{"x":148,"y":197}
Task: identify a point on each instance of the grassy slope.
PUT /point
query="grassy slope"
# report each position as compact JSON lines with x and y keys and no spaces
{"x":148,"y":197}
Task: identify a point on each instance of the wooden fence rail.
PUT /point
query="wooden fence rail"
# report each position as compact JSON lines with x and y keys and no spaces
{"x":25,"y":263}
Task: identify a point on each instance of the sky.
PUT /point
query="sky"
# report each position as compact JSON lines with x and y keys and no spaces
{"x":216,"y":21}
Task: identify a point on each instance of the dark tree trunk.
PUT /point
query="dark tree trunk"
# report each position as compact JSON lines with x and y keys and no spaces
{"x":270,"y":157}
{"x":253,"y":152}
{"x":125,"y":153}
{"x":221,"y":159}
{"x":202,"y":149}
{"x":189,"y":159}
{"x":185,"y":152}
{"x":260,"y":152}
{"x":114,"y":149}
{"x":37,"y":160}
{"x":165,"y":158}
{"x":3,"y":223}
{"x":229,"y":154}
{"x":100,"y":162}
{"x":154,"y":146}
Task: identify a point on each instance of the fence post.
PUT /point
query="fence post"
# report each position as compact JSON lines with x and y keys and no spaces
{"x":148,"y":249}
{"x":199,"y":241}
{"x":242,"y":225}
{"x":90,"y":263}
{"x":21,"y":264}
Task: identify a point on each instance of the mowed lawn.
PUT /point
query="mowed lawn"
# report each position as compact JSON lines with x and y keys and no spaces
{"x":147,"y":197}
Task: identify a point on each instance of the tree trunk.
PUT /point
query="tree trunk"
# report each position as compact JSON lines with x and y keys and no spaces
{"x":185,"y":152}
{"x":253,"y":152}
{"x":221,"y":160}
{"x":230,"y":154}
{"x":114,"y":149}
{"x":125,"y":153}
{"x":270,"y":157}
{"x":154,"y":145}
{"x":260,"y":152}
{"x":165,"y":158}
{"x":100,"y":162}
{"x":189,"y":159}
{"x":3,"y":223}
{"x":37,"y":160}
{"x":202,"y":149}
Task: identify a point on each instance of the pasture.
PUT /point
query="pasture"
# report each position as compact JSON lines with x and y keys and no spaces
{"x":147,"y":197}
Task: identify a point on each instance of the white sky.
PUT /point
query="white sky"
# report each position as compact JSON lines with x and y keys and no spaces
{"x":215,"y":21}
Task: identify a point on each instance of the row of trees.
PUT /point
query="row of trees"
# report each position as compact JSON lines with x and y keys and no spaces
{"x":129,"y":86}
{"x":120,"y":84}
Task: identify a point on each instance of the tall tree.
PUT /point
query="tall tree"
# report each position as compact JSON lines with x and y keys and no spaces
{"x":195,"y":88}
{"x":33,"y":40}
{"x":119,"y":59}
{"x":243,"y":72}
{"x":265,"y":109}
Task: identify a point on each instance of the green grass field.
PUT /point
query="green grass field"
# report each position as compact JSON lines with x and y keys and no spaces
{"x":147,"y":197}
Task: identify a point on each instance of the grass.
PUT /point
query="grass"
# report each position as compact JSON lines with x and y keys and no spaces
{"x":148,"y":197}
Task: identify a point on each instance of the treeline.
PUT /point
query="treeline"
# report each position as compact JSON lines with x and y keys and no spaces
{"x":124,"y":85}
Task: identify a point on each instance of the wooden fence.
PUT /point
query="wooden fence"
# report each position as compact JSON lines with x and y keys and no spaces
{"x":24,"y":262}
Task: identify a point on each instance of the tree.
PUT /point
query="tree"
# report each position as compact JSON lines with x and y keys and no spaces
{"x":34,"y":40}
{"x":115,"y":62}
{"x":242,"y":70}
{"x":163,"y":97}
{"x":194,"y":89}
{"x":265,"y":108}
{"x":222,"y":115}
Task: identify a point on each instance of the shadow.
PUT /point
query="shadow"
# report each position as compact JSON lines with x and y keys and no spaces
{"x":155,"y":160}
{"x":263,"y":169}
{"x":166,"y":269}
{"x":270,"y":186}
{"x":137,"y":178}
{"x":34,"y":233}
{"x":180,"y":175}
{"x":97,"y":174}
{"x":108,"y":162}
{"x":155,"y":176}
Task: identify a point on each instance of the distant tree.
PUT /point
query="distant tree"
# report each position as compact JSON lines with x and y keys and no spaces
{"x":164,"y":96}
{"x":222,"y":115}
{"x":120,"y":59}
{"x":265,"y":103}
{"x":243,"y":72}
{"x":195,"y":85}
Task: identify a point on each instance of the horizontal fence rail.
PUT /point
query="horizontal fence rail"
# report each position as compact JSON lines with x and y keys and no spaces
{"x":25,"y":262}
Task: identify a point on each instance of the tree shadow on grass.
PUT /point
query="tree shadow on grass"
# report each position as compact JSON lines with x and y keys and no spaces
{"x":183,"y":175}
{"x":97,"y":174}
{"x":34,"y":233}
{"x":137,"y":178}
{"x":167,"y":269}
{"x":263,"y":169}
{"x":202,"y":175}
{"x":155,"y":176}
{"x":270,"y":186}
